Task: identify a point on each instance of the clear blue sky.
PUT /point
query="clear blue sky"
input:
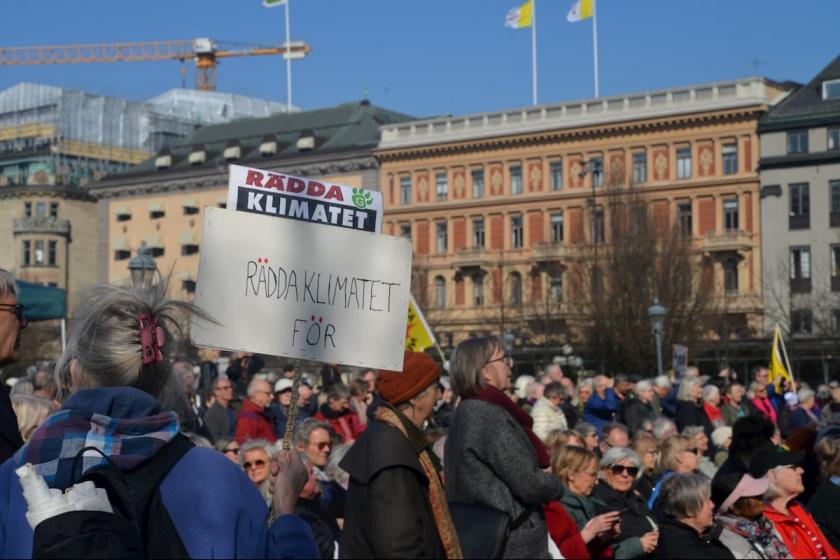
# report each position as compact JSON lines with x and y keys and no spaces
{"x":431,"y":57}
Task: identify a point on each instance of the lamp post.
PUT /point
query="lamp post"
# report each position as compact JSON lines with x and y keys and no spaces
{"x":142,"y":268}
{"x":656,"y":313}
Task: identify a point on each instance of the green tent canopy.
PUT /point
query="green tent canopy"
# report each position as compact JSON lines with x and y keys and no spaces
{"x":42,"y":302}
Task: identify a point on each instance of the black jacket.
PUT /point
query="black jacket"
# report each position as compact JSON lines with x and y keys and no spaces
{"x":636,"y":414}
{"x":388,"y":514}
{"x":10,"y":440}
{"x":825,"y":507}
{"x":692,"y":414}
{"x":677,"y":540}
{"x":636,"y":519}
{"x":323,"y":525}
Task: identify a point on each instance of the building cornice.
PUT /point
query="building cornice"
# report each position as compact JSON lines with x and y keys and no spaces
{"x":799,"y":160}
{"x":54,"y":191}
{"x":217,"y":177}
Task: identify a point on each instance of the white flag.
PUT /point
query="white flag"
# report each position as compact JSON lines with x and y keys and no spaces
{"x":273,"y":3}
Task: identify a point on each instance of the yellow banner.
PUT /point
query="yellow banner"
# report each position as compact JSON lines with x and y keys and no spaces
{"x":778,"y":371}
{"x":418,"y":335}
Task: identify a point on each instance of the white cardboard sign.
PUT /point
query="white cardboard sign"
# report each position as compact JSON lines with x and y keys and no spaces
{"x":286,"y":196}
{"x":295,"y":289}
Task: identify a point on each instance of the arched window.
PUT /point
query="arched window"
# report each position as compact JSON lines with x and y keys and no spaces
{"x":440,"y":292}
{"x":515,"y":288}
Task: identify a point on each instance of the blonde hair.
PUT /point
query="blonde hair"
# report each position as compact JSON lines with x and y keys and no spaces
{"x":557,"y":438}
{"x":828,"y":453}
{"x":671,"y":449}
{"x":570,"y":459}
{"x":31,"y":413}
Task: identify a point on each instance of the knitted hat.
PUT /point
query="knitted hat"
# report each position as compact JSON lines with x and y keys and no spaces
{"x":419,"y":371}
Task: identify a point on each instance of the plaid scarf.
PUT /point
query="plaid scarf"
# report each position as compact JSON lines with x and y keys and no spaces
{"x":128,"y":442}
{"x":760,"y":533}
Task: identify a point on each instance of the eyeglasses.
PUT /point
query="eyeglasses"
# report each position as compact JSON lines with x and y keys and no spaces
{"x":248,"y":465}
{"x":507,"y":359}
{"x":229,"y":387}
{"x":232,"y":450}
{"x":15,"y":308}
{"x":618,"y":469}
{"x":321,"y":445}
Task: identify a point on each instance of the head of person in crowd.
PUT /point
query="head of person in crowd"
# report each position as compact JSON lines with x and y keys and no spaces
{"x":534,"y":391}
{"x":358,"y":393}
{"x":554,"y":373}
{"x":807,"y":398}
{"x":577,"y":468}
{"x":369,"y":378}
{"x":735,"y":393}
{"x":739,"y":495}
{"x":520,"y":386}
{"x":749,"y":434}
{"x":689,"y":371}
{"x":31,"y":411}
{"x":623,"y":385}
{"x":783,"y":470}
{"x":43,"y":385}
{"x":686,"y":497}
{"x":619,"y":467}
{"x":589,"y":434}
{"x":338,"y":398}
{"x":614,"y":434}
{"x":11,"y":319}
{"x":828,"y":454}
{"x":283,"y":391}
{"x":554,"y":393}
{"x":223,"y":391}
{"x":600,"y":384}
{"x":254,"y":458}
{"x":314,"y":440}
{"x":186,"y":377}
{"x":644,"y":391}
{"x":446,"y":394}
{"x":333,"y":471}
{"x":679,"y":455}
{"x":22,"y":386}
{"x":208,"y":354}
{"x":645,"y":446}
{"x":305,"y":391}
{"x":477,"y":363}
{"x":711,"y":395}
{"x":761,"y":375}
{"x":690,"y":390}
{"x":697,"y":436}
{"x":228,"y":447}
{"x":413,"y":391}
{"x":259,"y":392}
{"x":558,"y":438}
{"x":662,"y":385}
{"x":584,"y":390}
{"x":663,"y":428}
{"x":722,"y":437}
{"x":757,"y":390}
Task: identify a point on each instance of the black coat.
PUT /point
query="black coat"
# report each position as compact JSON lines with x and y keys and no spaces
{"x":637,"y":413}
{"x":692,"y":414}
{"x":636,"y":519}
{"x":388,"y":514}
{"x":677,"y":540}
{"x":825,"y":507}
{"x":10,"y":440}
{"x":323,"y":525}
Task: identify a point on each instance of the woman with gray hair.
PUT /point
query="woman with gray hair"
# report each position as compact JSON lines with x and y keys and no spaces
{"x":689,"y":530}
{"x":639,"y":414}
{"x":806,"y":413}
{"x":618,"y":471}
{"x":112,"y":375}
{"x":690,"y":406}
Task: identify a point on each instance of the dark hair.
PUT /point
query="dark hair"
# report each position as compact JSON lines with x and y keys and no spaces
{"x":554,"y":389}
{"x":610,"y":427}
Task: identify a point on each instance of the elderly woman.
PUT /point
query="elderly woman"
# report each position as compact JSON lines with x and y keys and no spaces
{"x":678,"y":455}
{"x":761,"y":403}
{"x":559,"y":438}
{"x":493,"y":458}
{"x":690,"y":407}
{"x":804,"y":414}
{"x":645,"y":446}
{"x":700,"y":441}
{"x":639,"y":414}
{"x":735,"y":407}
{"x":825,"y":503}
{"x":601,"y":407}
{"x":618,"y":470}
{"x":31,"y":413}
{"x":112,"y":374}
{"x":745,"y":530}
{"x":799,"y":531}
{"x":711,"y":405}
{"x":688,"y":530}
{"x":589,"y":434}
{"x":254,"y":458}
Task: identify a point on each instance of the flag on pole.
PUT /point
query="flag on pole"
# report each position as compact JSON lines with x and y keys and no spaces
{"x":521,"y":17}
{"x":581,"y":10}
{"x":418,"y":335}
{"x":273,"y":3}
{"x":778,"y":359}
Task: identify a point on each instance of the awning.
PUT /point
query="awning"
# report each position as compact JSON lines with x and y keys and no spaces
{"x":189,"y":238}
{"x":122,"y":211}
{"x":154,"y":242}
{"x":42,"y":302}
{"x":156,"y":207}
{"x":187,"y":276}
{"x":191,"y":203}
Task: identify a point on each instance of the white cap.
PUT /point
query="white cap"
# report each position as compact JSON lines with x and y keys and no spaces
{"x":283,"y":384}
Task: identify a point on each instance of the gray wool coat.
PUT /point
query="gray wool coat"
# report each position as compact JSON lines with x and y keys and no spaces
{"x":490,"y":461}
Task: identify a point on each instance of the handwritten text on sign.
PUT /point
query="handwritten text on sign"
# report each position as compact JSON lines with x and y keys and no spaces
{"x":291,"y":288}
{"x":275,"y":194}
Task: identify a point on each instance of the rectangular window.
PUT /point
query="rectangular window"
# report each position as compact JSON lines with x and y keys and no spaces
{"x":834,"y":194}
{"x":190,"y":210}
{"x":478,"y":233}
{"x":40,"y":209}
{"x":516,"y":179}
{"x":516,"y":232}
{"x":684,"y":163}
{"x":187,"y":250}
{"x":834,"y":252}
{"x":730,"y":159}
{"x":478,"y":289}
{"x":27,"y":209}
{"x":730,"y":275}
{"x":639,"y":167}
{"x":801,"y":321}
{"x":122,"y":254}
{"x":555,"y":286}
{"x":157,"y":214}
{"x":800,"y":206}
{"x":834,"y":138}
{"x":440,"y":292}
{"x":441,"y":242}
{"x":831,"y":89}
{"x":51,"y":251}
{"x":555,"y":175}
{"x":800,"y":262}
{"x":557,"y":227}
{"x":405,"y":189}
{"x":730,"y":214}
{"x":597,"y":166}
{"x":835,"y":320}
{"x":797,"y":142}
{"x":684,"y":219}
{"x":157,"y":251}
{"x":39,"y":253}
{"x":27,"y":253}
{"x":53,"y":209}
{"x":442,"y":185}
{"x":188,"y":286}
{"x":598,"y":225}
{"x":405,"y":231}
{"x":478,"y":183}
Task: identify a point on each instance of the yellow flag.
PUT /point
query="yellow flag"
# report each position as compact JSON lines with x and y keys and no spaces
{"x":520,"y":17}
{"x":418,"y":335}
{"x":581,"y":10}
{"x":778,"y":371}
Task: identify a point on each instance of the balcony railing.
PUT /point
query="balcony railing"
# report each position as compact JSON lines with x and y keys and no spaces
{"x":472,"y":257}
{"x":728,"y":241}
{"x":545,"y":252}
{"x":48,"y":225}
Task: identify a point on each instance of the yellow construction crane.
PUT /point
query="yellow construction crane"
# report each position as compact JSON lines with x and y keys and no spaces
{"x":203,"y":51}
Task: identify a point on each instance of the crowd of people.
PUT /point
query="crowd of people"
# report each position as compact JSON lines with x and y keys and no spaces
{"x":423,"y":462}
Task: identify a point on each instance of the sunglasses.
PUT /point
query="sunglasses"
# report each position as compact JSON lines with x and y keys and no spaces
{"x":323,"y":445}
{"x":248,"y":465}
{"x":692,"y":450}
{"x":618,"y":469}
{"x":15,"y":308}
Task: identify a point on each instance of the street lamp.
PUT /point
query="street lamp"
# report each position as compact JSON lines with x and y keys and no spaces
{"x":656,"y":313}
{"x":142,"y":267}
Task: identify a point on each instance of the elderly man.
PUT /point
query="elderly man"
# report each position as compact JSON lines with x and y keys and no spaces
{"x":661,"y":405}
{"x":613,"y":434}
{"x":220,"y":419}
{"x":254,"y":420}
{"x":547,"y":412}
{"x":11,"y":323}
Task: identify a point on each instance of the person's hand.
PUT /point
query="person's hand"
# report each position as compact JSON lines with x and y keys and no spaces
{"x":288,"y":476}
{"x":649,"y":541}
{"x":599,"y":524}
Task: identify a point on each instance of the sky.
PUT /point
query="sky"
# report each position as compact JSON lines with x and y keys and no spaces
{"x":435,"y":57}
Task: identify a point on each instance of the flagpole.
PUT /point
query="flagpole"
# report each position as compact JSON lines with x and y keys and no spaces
{"x":534,"y":51}
{"x":784,"y":353}
{"x":288,"y":60}
{"x":595,"y":45}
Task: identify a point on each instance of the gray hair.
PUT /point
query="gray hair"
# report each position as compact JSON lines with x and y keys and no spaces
{"x":691,"y":431}
{"x":30,"y":412}
{"x":105,"y":339}
{"x":304,"y":431}
{"x":662,"y":381}
{"x":251,"y":445}
{"x":332,"y":470}
{"x":615,"y":455}
{"x":709,"y":391}
{"x":687,"y":384}
{"x":8,"y":286}
{"x":642,"y":386}
{"x":467,"y":361}
{"x":684,"y":495}
{"x":663,"y":427}
{"x":586,"y":429}
{"x":338,"y":391}
{"x":805,"y":394}
{"x":254,"y":385}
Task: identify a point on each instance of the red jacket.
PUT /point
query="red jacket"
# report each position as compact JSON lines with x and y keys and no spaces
{"x":253,"y":422}
{"x":566,"y":535}
{"x":345,"y":424}
{"x":800,"y":532}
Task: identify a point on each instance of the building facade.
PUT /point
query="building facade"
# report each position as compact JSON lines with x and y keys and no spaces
{"x":499,"y":205}
{"x":160,"y":202}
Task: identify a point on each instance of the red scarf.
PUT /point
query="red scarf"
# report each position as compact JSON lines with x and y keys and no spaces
{"x":766,"y":408}
{"x":712,"y":412}
{"x":493,"y":395}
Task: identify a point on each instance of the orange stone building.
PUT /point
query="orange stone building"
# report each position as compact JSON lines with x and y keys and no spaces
{"x":498,"y":204}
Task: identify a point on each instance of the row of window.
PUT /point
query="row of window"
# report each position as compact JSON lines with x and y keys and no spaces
{"x":186,"y":250}
{"x":555,"y":289}
{"x":802,"y":321}
{"x":797,"y":140}
{"x":800,"y":204}
{"x":40,"y":209}
{"x":39,"y":253}
{"x":159,"y":213}
{"x":800,"y":268}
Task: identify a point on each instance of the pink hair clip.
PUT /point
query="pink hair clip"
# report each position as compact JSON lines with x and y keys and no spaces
{"x":151,"y":339}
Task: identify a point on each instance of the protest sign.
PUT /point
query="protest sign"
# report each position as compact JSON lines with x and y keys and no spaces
{"x":291,"y":288}
{"x":680,"y":356}
{"x":285,"y":196}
